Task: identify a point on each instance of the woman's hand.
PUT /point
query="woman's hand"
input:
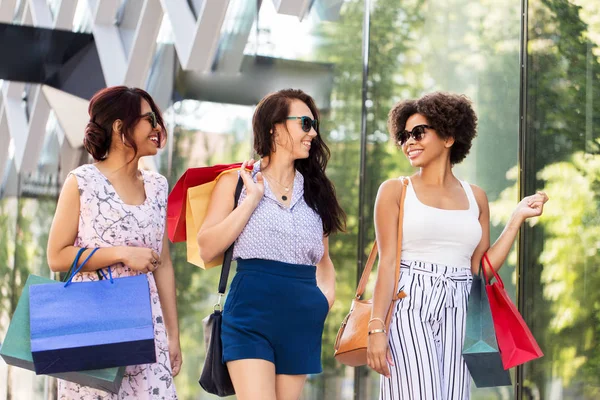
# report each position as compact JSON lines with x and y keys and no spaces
{"x":175,"y":355}
{"x":254,"y":190}
{"x":140,"y":259}
{"x":531,"y":206}
{"x":378,"y":353}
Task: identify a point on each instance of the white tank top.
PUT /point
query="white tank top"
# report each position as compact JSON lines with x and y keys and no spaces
{"x":438,"y":236}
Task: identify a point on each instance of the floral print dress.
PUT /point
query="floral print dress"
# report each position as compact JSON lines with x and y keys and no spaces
{"x":106,"y":221}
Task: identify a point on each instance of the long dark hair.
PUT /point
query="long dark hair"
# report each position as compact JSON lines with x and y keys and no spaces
{"x":109,"y":105}
{"x":319,"y":192}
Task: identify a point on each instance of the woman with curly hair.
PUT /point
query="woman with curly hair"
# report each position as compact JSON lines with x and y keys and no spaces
{"x":445,"y":234}
{"x":285,"y":282}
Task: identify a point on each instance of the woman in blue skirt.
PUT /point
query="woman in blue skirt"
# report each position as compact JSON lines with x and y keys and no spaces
{"x":285,"y":283}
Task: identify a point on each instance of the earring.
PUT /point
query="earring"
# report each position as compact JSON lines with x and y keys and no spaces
{"x":123,"y":138}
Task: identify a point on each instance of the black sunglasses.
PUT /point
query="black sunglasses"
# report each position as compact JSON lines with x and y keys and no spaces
{"x":416,"y":133}
{"x":307,"y":123}
{"x":152,"y":118}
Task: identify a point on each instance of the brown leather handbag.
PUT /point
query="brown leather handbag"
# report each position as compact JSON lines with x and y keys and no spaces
{"x":352,"y":338}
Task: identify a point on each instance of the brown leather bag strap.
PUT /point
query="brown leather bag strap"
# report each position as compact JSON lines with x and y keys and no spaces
{"x":400,"y":230}
{"x":360,"y":290}
{"x":398,"y":294}
{"x":364,"y":278}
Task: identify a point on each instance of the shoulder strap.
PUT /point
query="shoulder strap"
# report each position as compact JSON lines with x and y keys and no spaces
{"x":470,"y":195}
{"x":360,"y":290}
{"x":227,"y":257}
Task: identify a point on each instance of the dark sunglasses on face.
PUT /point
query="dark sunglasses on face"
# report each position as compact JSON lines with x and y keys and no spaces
{"x":416,"y":133}
{"x":307,"y":123}
{"x":152,"y":118}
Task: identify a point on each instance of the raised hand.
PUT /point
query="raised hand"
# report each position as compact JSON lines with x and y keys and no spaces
{"x":254,"y":190}
{"x":531,"y":206}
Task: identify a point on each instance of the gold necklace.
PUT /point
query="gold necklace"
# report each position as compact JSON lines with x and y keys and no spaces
{"x":286,"y":188}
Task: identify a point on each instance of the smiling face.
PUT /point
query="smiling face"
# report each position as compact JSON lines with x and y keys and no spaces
{"x":290,"y":137}
{"x":147,"y":132}
{"x":429,"y":148}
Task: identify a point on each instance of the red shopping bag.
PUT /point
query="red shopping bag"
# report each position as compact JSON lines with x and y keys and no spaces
{"x":176,"y":204}
{"x":515,"y":341}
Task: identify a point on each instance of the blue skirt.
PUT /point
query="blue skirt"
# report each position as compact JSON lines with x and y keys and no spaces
{"x":274,"y":311}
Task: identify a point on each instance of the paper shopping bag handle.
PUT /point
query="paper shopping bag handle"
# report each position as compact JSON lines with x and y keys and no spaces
{"x":77,"y":269}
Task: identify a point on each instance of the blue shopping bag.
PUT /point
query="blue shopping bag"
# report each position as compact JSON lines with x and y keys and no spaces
{"x":91,"y":325}
{"x":480,"y":349}
{"x":16,"y":347}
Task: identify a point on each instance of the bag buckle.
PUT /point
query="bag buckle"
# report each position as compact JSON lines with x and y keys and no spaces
{"x":217,"y":306}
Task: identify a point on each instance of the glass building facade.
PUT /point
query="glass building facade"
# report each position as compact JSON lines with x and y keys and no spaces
{"x":532,"y":69}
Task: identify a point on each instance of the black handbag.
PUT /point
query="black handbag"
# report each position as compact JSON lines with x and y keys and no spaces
{"x":215,"y":377}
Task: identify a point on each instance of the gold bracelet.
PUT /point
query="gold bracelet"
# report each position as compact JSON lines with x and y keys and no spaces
{"x":376,"y":319}
{"x":377,"y":331}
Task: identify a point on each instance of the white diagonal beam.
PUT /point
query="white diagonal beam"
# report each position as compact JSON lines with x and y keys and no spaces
{"x":120,"y":68}
{"x":4,"y":138}
{"x":64,"y":17}
{"x":7,"y":11}
{"x":108,"y":43}
{"x":144,"y":44}
{"x":196,"y":41}
{"x":28,"y":134}
{"x":41,"y":14}
{"x":38,"y":118}
{"x":234,"y":35}
{"x":16,"y":119}
{"x":71,"y":114}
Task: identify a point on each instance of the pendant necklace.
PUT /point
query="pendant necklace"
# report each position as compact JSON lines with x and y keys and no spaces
{"x":286,"y":188}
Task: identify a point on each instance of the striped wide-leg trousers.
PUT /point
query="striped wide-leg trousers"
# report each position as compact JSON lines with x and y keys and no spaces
{"x":426,"y":335}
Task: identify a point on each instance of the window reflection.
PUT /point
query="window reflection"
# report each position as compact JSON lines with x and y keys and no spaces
{"x":561,"y":254}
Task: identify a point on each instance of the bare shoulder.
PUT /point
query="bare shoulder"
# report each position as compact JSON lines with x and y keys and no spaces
{"x":479,"y":193}
{"x":69,"y":198}
{"x":70,"y":188}
{"x":229,"y":178}
{"x":226,"y":184}
{"x":480,"y":197}
{"x":391,"y":187}
{"x":390,"y":190}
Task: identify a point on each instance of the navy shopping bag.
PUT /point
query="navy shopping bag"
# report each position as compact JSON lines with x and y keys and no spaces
{"x":91,"y":325}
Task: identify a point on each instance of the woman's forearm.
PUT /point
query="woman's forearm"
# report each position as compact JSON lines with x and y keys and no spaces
{"x":165,"y":283}
{"x":498,"y":252}
{"x":62,"y":260}
{"x":384,"y":287}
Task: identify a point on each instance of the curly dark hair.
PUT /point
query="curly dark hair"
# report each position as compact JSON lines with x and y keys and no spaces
{"x":319,"y":192}
{"x":451,"y":115}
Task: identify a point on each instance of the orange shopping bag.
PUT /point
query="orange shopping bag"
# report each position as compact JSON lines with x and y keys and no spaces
{"x":198,"y":198}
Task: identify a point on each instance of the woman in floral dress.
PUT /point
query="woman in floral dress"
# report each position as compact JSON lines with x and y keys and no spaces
{"x":113,"y":206}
